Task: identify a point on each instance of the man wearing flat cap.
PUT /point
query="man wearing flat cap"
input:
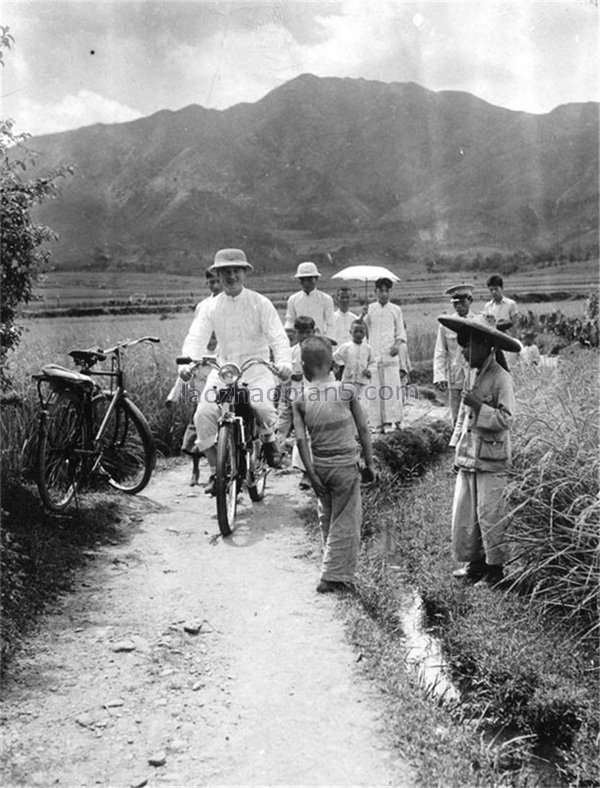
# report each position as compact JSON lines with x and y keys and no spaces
{"x":311,"y":301}
{"x":246,"y":325}
{"x":449,"y":367}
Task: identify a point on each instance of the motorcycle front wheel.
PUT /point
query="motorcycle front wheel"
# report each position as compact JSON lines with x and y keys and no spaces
{"x":226,"y":479}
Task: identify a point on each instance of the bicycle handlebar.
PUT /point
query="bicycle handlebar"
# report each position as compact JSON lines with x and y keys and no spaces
{"x":130,"y":343}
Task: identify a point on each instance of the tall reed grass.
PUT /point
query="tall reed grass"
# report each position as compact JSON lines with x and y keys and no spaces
{"x":554,"y":490}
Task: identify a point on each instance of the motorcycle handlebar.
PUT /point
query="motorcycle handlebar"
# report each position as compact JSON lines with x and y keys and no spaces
{"x":210,"y":360}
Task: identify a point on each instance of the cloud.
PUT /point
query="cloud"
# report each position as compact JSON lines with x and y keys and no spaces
{"x":238,"y":65}
{"x":73,"y":111}
{"x":130,"y":58}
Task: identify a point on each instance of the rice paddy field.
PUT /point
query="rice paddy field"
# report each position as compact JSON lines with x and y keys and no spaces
{"x":48,"y":340}
{"x":71,"y":289}
{"x":151,"y":369}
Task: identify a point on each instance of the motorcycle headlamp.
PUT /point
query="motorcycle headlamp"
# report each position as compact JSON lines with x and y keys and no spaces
{"x":230,"y":373}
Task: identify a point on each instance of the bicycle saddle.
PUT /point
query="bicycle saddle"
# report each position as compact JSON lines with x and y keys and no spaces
{"x":89,"y":356}
{"x":57,"y":373}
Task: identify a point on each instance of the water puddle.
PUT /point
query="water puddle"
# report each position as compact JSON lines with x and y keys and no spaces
{"x":424,"y":652}
{"x":426,"y":660}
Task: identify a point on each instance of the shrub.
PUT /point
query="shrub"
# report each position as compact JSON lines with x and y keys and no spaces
{"x":584,"y":330}
{"x":406,"y":452}
{"x":22,"y":254}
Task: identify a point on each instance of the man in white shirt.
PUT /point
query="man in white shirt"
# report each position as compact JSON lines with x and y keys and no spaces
{"x":504,"y":309}
{"x":387,"y":337}
{"x":310,"y":301}
{"x":449,"y":366}
{"x":246,"y":325}
{"x":343,"y":317}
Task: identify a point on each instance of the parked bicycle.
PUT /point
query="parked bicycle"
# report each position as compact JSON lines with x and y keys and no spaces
{"x":88,"y":432}
{"x":240,"y":454}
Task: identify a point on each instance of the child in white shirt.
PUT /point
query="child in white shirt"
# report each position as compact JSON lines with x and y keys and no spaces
{"x":357,"y":358}
{"x":530,"y":356}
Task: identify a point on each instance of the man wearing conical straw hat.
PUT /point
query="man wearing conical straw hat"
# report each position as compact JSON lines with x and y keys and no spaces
{"x":481,"y":440}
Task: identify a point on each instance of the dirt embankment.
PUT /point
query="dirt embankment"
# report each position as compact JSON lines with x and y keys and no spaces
{"x":214,"y":659}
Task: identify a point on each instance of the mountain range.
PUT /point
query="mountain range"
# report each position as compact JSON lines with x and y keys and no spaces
{"x":347,"y":168}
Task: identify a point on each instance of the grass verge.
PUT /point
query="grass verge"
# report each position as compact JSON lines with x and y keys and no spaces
{"x":41,"y":553}
{"x":529,"y":707}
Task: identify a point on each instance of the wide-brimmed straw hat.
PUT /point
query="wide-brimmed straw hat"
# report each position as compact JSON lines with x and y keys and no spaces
{"x":484,"y":325}
{"x":230,"y":258}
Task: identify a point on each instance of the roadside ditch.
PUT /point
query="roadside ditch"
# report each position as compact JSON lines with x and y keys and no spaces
{"x":511,"y":704}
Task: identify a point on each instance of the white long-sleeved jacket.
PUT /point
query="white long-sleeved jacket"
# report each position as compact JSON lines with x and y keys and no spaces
{"x":316,"y":304}
{"x":386,"y":329}
{"x":448,"y":362}
{"x":245,"y":326}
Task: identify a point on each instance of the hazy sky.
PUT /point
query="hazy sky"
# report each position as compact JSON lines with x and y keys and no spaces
{"x":76,"y":63}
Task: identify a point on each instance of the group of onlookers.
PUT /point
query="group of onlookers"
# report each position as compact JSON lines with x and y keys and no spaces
{"x":370,"y":349}
{"x":344,"y":374}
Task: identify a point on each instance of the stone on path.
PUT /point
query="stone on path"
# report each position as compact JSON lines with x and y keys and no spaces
{"x":158,"y":759}
{"x":193,"y":627}
{"x":124,"y":645}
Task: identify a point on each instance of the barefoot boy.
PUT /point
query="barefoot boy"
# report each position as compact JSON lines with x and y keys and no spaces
{"x":356,"y":357}
{"x":331,"y":415}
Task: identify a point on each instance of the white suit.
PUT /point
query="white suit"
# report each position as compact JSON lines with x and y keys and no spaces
{"x":246,"y":326}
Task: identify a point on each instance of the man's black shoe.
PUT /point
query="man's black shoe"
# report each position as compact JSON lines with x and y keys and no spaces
{"x":493,"y":577}
{"x":210,"y":488}
{"x":471,"y":572}
{"x":272,"y":454}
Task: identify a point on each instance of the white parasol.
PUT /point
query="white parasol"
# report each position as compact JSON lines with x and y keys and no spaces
{"x":365,"y":273}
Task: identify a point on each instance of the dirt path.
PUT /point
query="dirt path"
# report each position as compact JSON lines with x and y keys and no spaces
{"x":266,"y":693}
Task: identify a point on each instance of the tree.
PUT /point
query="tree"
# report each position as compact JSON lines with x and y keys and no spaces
{"x":22,"y":257}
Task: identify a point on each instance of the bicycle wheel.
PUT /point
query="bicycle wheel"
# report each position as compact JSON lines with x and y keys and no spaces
{"x":226,"y":480}
{"x":127,"y":451}
{"x":60,"y":461}
{"x":257,"y":472}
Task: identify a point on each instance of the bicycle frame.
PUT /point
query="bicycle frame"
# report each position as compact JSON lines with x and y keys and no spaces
{"x":85,"y":360}
{"x":73,"y":446}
